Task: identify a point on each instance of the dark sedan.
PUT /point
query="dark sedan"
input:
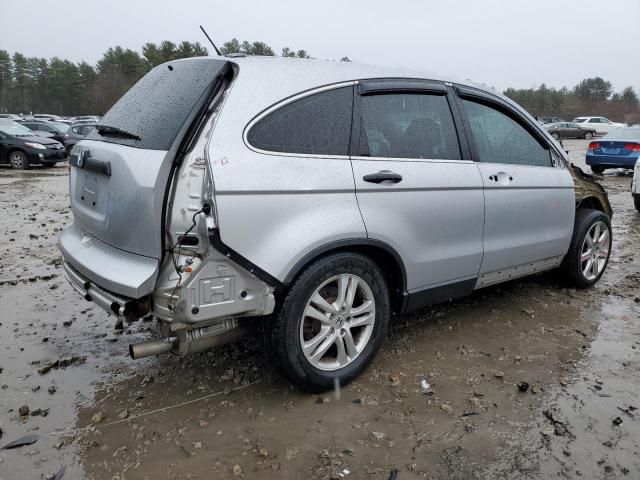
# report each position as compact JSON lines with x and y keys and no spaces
{"x":57,"y":130}
{"x":570,"y":130}
{"x":20,"y":148}
{"x":77,"y":133}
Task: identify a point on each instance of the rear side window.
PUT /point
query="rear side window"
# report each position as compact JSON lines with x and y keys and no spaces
{"x":319,"y":124}
{"x":156,"y":108}
{"x":408,"y":126}
{"x":500,"y":139}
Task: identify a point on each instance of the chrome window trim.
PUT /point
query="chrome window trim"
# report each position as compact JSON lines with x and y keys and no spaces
{"x":287,"y":101}
{"x":410,"y":159}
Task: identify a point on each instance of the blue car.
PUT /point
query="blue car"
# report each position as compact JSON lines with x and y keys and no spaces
{"x":618,"y":149}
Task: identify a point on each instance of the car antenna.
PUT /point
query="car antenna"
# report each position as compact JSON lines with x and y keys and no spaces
{"x":210,"y":41}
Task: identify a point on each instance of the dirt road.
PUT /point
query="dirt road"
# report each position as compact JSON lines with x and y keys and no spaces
{"x":226,"y":414}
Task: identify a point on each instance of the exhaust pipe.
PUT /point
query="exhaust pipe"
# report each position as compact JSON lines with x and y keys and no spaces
{"x":151,"y":347}
{"x":196,"y":340}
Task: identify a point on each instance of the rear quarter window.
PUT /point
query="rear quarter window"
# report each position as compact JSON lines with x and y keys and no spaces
{"x":157,"y":107}
{"x":319,"y":124}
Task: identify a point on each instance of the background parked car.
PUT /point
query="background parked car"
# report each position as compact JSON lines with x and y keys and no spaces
{"x":549,"y":120}
{"x":570,"y":130}
{"x":10,"y":116}
{"x":618,"y":149}
{"x":600,"y":124}
{"x":77,"y":133}
{"x":20,"y":148}
{"x":94,"y":118}
{"x":635,"y":186}
{"x":45,"y":116}
{"x":57,"y":130}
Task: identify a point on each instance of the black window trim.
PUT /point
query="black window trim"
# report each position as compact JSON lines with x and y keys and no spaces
{"x":286,"y":101}
{"x":389,"y":86}
{"x":495,"y":102}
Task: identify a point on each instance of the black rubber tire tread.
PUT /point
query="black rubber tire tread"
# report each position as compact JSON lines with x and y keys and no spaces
{"x":283,"y":330}
{"x":636,"y":201}
{"x":585,"y":218}
{"x":596,"y":169}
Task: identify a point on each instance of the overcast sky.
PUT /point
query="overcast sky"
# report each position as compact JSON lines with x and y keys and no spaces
{"x":502,"y":43}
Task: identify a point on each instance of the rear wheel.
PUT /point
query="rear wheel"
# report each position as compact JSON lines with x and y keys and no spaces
{"x":590,"y":248}
{"x":636,"y":201}
{"x":19,"y":160}
{"x":597,"y":169}
{"x":588,"y":135}
{"x":331,"y":323}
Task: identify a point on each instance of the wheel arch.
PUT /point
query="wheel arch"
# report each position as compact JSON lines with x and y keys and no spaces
{"x":592,"y":203}
{"x":384,"y":255}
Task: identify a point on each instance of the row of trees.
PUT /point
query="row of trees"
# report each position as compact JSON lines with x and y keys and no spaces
{"x":38,"y":85}
{"x":592,"y":96}
{"x":32,"y":84}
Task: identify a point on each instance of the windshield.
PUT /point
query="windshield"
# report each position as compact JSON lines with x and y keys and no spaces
{"x":152,"y":113}
{"x":62,"y":127}
{"x":15,"y":129}
{"x":625,"y":134}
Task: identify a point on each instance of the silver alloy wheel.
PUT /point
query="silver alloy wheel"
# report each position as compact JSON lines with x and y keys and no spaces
{"x":337,"y":322}
{"x":17,"y":160}
{"x":588,"y":135}
{"x":595,"y":250}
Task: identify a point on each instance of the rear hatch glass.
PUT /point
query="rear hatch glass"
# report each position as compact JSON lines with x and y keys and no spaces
{"x":155,"y":109}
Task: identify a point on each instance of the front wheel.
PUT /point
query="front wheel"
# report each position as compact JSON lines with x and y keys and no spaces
{"x":19,"y":160}
{"x":597,"y":169}
{"x":331,"y":323}
{"x":590,"y":248}
{"x":636,"y":201}
{"x":588,"y":135}
{"x":555,"y":135}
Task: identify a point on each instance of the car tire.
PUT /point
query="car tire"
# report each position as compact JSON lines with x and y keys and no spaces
{"x":555,"y":135}
{"x":333,"y":345}
{"x":636,"y":201}
{"x":590,"y":248}
{"x":588,"y":136}
{"x":597,"y":169}
{"x":19,"y":160}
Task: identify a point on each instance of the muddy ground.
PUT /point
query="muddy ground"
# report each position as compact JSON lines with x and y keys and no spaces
{"x":227,"y":414}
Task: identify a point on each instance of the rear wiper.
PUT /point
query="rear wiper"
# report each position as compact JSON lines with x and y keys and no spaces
{"x":102,"y":129}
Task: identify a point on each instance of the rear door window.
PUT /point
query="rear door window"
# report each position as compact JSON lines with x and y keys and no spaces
{"x":500,"y":139}
{"x":157,"y":107}
{"x":319,"y":124}
{"x":408,"y":125}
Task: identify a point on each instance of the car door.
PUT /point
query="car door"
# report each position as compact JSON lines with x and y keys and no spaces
{"x":416,"y":186}
{"x":528,"y":192}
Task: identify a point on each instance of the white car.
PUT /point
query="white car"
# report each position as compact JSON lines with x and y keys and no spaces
{"x":600,"y":124}
{"x":635,"y":186}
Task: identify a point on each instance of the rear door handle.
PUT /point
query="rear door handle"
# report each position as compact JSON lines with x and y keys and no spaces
{"x":383,"y":176}
{"x":502,"y":178}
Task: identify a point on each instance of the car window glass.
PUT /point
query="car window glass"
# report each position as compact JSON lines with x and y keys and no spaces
{"x":319,"y":124}
{"x":500,"y":139}
{"x":408,"y":126}
{"x":594,"y":120}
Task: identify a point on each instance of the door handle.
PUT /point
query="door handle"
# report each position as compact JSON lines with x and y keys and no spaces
{"x":383,"y":176}
{"x":502,"y":178}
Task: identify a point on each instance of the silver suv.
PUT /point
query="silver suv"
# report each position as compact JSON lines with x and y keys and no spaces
{"x":314,"y":200}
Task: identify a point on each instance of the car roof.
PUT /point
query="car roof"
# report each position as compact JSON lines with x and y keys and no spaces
{"x":265,"y":81}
